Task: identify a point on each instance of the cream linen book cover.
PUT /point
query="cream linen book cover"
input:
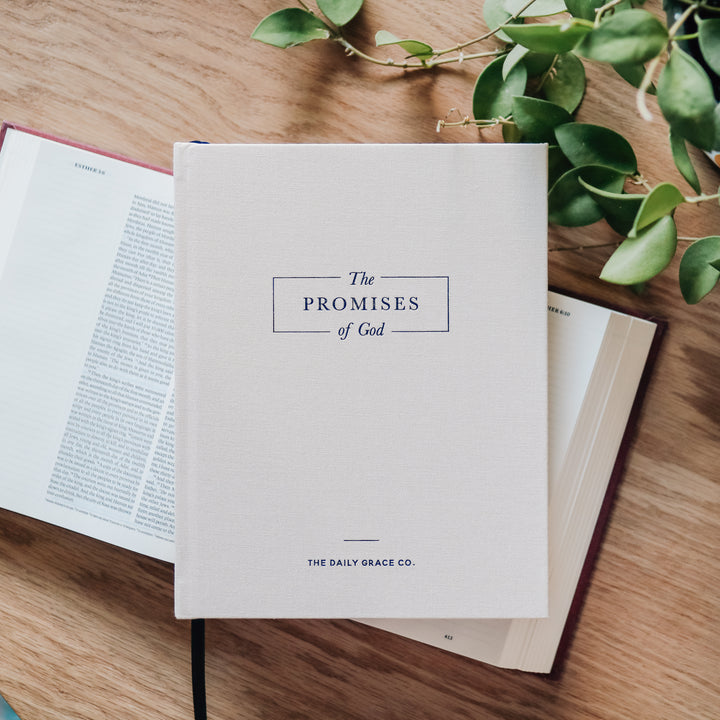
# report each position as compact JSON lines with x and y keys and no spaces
{"x":361,"y":387}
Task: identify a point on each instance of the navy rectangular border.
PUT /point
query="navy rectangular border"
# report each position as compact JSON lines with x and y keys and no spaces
{"x":384,"y":277}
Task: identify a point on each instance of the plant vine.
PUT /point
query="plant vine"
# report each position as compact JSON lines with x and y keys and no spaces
{"x":532,"y":85}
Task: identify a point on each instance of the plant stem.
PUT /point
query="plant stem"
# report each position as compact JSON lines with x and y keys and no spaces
{"x":467,"y":120}
{"x":702,"y":5}
{"x":582,"y":247}
{"x":547,"y":73}
{"x":641,"y":94}
{"x":602,"y":10}
{"x":703,"y":198}
{"x":461,"y":58}
{"x":681,"y":20}
{"x":438,"y":58}
{"x":639,"y":179}
{"x":352,"y":50}
{"x":488,"y":34}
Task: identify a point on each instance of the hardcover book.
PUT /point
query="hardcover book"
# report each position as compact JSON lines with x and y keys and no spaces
{"x":361,"y":363}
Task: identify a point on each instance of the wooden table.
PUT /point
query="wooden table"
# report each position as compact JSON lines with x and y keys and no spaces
{"x":87,"y":630}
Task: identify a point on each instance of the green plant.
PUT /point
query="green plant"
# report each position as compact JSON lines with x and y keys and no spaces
{"x":534,"y":81}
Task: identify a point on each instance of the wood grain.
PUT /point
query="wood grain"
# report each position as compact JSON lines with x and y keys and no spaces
{"x":88,"y":629}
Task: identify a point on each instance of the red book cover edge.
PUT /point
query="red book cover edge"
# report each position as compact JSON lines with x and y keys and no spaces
{"x":80,"y":146}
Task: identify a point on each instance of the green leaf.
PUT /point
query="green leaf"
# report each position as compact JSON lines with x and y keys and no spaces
{"x":586,"y":144}
{"x":584,"y":8}
{"x":558,"y":164}
{"x":631,"y":36}
{"x":415,"y":48}
{"x":539,"y":8}
{"x":634,"y":73}
{"x":660,"y":201}
{"x":538,"y":63}
{"x":643,"y":257}
{"x":341,"y":12}
{"x":290,"y":27}
{"x":565,"y":86}
{"x":686,"y":99}
{"x":552,"y":38}
{"x":495,"y":15}
{"x":513,"y":58}
{"x":619,"y":209}
{"x":570,"y":204}
{"x":709,"y":38}
{"x":587,"y":8}
{"x":683,"y":162}
{"x":700,"y":269}
{"x":492,"y":96}
{"x":537,"y":119}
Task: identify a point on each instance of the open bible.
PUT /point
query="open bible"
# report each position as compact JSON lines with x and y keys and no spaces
{"x":87,"y":382}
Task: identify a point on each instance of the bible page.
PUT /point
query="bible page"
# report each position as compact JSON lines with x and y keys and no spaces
{"x":86,"y":332}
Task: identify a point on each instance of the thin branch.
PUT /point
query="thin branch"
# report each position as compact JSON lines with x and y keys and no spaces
{"x":461,"y":58}
{"x":547,"y":73}
{"x":702,"y":198}
{"x":582,"y":247}
{"x":352,"y":50}
{"x":681,"y":20}
{"x":641,"y":95}
{"x":639,"y":179}
{"x":467,"y":120}
{"x":489,"y":33}
{"x":702,"y":5}
{"x":602,"y":10}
